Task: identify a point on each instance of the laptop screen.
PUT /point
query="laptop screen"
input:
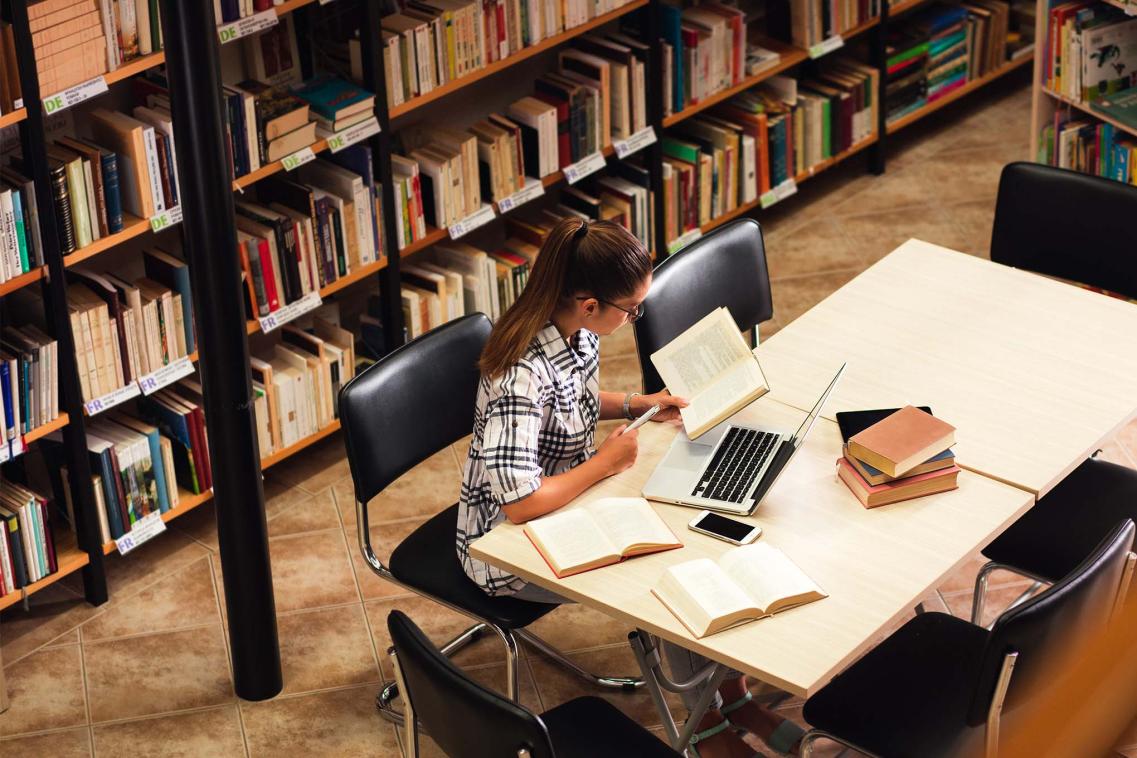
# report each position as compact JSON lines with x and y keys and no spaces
{"x":807,"y":424}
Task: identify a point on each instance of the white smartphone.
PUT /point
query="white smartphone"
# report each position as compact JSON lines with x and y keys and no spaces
{"x":646,"y":417}
{"x":726,"y":529}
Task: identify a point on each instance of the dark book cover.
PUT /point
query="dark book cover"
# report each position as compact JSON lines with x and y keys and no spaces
{"x":855,"y":422}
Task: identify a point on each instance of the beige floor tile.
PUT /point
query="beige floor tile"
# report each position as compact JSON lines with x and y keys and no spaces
{"x":146,"y":565}
{"x":342,"y":723}
{"x":318,"y":467}
{"x":963,"y":580}
{"x":317,"y":513}
{"x":200,"y":525}
{"x":901,"y":187}
{"x":876,"y":235}
{"x":384,"y":539}
{"x":54,"y":611}
{"x":157,"y":673}
{"x":211,"y":733}
{"x":438,"y":623}
{"x":577,"y":627}
{"x":812,"y":247}
{"x":423,"y":491}
{"x":793,"y":297}
{"x":1114,"y":452}
{"x":73,"y":743}
{"x":326,"y":648}
{"x":67,"y":638}
{"x":997,"y":600}
{"x":1128,"y":438}
{"x":281,"y":494}
{"x":185,"y":598}
{"x":45,"y":691}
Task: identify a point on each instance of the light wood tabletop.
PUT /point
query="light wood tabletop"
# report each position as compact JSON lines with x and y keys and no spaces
{"x":1035,"y":374}
{"x":875,"y":565}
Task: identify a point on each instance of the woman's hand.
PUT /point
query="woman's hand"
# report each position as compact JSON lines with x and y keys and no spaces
{"x":669,"y":405}
{"x":618,"y":451}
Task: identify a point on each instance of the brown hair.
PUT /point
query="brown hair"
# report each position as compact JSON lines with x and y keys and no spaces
{"x":600,"y":258}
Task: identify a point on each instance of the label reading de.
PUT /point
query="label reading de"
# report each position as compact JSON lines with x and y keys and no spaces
{"x":779,"y":193}
{"x":166,"y":219}
{"x":297,"y":159}
{"x":827,"y":46}
{"x":257,"y":22}
{"x":355,"y":133}
{"x":74,"y":95}
{"x":683,"y":241}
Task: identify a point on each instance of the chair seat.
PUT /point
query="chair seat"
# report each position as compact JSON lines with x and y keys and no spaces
{"x":1065,"y":526}
{"x":591,"y":727}
{"x":427,"y":561}
{"x":910,"y":695}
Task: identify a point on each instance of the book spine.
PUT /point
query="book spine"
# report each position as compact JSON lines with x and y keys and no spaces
{"x":64,"y":226}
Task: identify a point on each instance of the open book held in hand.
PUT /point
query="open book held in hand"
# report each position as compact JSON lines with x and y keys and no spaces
{"x":599,"y":533}
{"x":712,"y":367}
{"x":747,"y":583}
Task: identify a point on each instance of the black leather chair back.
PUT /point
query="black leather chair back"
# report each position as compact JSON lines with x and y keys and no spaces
{"x":725,"y":268}
{"x":412,"y":403}
{"x":464,"y":718}
{"x":1067,"y":224}
{"x":1048,"y":630}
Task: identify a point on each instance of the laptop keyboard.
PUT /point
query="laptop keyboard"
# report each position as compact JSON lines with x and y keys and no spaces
{"x":735,"y":465}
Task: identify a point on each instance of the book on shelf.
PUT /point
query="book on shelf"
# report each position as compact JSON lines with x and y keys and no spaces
{"x":1089,"y":146}
{"x":599,"y":533}
{"x":1081,"y":37}
{"x":11,"y":96}
{"x":745,"y":584}
{"x":21,"y":248}
{"x":273,"y":56}
{"x":70,"y":42}
{"x":711,"y":366}
{"x":29,"y":381}
{"x":334,"y":103}
{"x":900,"y":441}
{"x":146,"y":176}
{"x":27,"y":543}
{"x":225,"y":11}
{"x":1120,"y":106}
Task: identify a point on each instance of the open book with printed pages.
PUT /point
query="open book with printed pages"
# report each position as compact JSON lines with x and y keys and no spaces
{"x":711,"y":366}
{"x":599,"y":533}
{"x":745,"y":584}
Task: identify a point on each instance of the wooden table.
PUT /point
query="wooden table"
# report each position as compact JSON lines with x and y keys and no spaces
{"x":1034,"y":374}
{"x":876,"y":564}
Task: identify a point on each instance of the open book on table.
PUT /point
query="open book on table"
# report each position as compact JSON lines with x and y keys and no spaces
{"x":711,"y":366}
{"x":747,"y":583}
{"x":599,"y":533}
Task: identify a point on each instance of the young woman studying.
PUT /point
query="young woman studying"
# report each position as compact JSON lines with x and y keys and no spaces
{"x":534,"y":427}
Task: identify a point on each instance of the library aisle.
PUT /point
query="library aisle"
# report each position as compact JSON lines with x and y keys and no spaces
{"x":150,"y":670}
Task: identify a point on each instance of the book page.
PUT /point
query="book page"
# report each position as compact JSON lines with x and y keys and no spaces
{"x":700,"y":593}
{"x":630,"y":522}
{"x":732,"y":390}
{"x":571,"y":540}
{"x":695,"y":359}
{"x":770,"y":577}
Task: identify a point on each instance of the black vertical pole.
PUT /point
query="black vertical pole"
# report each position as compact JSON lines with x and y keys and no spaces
{"x":878,"y":42}
{"x":55,"y":304}
{"x":374,"y":79}
{"x":193,"y":68}
{"x":655,"y":111}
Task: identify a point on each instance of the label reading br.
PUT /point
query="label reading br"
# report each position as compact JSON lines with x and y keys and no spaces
{"x":635,"y":143}
{"x":349,"y":136}
{"x":297,"y":159}
{"x":531,"y":191}
{"x":144,"y":530}
{"x":684,"y":240}
{"x":248,"y":25}
{"x":74,"y":95}
{"x":582,"y":168}
{"x":166,"y":375}
{"x":166,"y":219}
{"x":111,"y":399}
{"x":480,"y":217}
{"x":282,"y":316}
{"x":825,"y":47}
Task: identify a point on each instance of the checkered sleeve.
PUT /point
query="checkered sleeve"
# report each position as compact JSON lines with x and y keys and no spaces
{"x":512,"y":431}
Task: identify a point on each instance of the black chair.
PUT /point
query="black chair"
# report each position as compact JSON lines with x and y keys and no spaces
{"x":469,"y":721}
{"x":396,"y":414}
{"x":725,"y":268}
{"x":940,"y":684}
{"x":1088,"y":247}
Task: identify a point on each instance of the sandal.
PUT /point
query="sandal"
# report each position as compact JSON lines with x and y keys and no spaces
{"x":784,"y":736}
{"x":706,"y":734}
{"x":726,"y":710}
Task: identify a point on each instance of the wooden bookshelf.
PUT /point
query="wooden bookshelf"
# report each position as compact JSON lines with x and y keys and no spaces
{"x":555,"y":178}
{"x":23,"y":280}
{"x":359,"y":274}
{"x":14,"y":117}
{"x":1129,"y":7}
{"x":59,"y":422}
{"x":1085,"y":108}
{"x":903,"y":7}
{"x":69,"y":559}
{"x":133,"y":67}
{"x":433,"y":236}
{"x":131,"y":227}
{"x":290,"y":5}
{"x":956,"y":94}
{"x":186,"y":503}
{"x":791,"y":56}
{"x":269,"y":169}
{"x":296,"y":447}
{"x":547,"y":44}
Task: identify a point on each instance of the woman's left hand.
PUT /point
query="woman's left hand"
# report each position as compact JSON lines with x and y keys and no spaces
{"x":669,"y":405}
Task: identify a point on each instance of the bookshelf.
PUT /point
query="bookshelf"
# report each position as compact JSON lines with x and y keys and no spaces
{"x":15,"y":117}
{"x":964,"y":91}
{"x":23,"y":280}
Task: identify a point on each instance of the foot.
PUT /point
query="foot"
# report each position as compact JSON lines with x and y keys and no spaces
{"x":762,"y":722}
{"x":725,"y":744}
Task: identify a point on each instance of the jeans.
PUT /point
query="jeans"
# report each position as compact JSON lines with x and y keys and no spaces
{"x":682,"y":662}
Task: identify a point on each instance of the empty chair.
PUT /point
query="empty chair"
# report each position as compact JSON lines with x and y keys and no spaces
{"x":939,"y":685}
{"x":726,"y":268}
{"x":469,"y":721}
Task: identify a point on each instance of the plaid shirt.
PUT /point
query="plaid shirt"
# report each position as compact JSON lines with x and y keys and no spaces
{"x":537,"y":419}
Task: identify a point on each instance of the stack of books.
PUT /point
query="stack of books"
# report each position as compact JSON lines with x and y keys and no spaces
{"x":70,"y":41}
{"x":1079,"y":32}
{"x":29,"y":386}
{"x":811,"y":22}
{"x":146,"y":162}
{"x":11,"y":96}
{"x":27,"y":546}
{"x":133,"y":28}
{"x":21,"y":248}
{"x":265,"y":124}
{"x":897,"y":454}
{"x":905,"y":88}
{"x":225,"y":11}
{"x":334,"y":103}
{"x":1089,"y":146}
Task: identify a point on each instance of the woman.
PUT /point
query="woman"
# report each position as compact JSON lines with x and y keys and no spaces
{"x":538,"y":404}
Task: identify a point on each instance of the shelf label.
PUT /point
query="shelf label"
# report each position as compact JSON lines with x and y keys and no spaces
{"x":635,"y":143}
{"x":144,"y":530}
{"x":531,"y":191}
{"x":111,"y":399}
{"x":683,"y":241}
{"x":290,"y":312}
{"x":166,"y":375}
{"x":166,"y":219}
{"x":74,"y":95}
{"x":12,"y":448}
{"x":297,"y":159}
{"x":257,"y":22}
{"x":836,"y":42}
{"x":582,"y":168}
{"x":779,"y":193}
{"x":354,"y":133}
{"x":480,"y":217}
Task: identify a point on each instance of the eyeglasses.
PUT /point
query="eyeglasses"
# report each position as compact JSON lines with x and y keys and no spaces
{"x":633,"y":315}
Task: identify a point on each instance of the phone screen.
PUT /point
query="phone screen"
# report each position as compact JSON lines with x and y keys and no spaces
{"x":725,"y":527}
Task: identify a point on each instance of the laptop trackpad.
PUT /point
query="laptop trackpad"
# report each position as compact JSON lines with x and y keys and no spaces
{"x":686,"y":455}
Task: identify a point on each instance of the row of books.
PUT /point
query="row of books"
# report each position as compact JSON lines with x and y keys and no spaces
{"x":29,"y":387}
{"x":233,"y":10}
{"x":11,"y":96}
{"x":124,"y":330}
{"x":759,"y":139}
{"x":21,"y":248}
{"x":1089,"y":146}
{"x":304,"y":233}
{"x":27,"y":545}
{"x":296,"y":386}
{"x":432,"y":42}
{"x":812,"y":22}
{"x":1091,"y":50}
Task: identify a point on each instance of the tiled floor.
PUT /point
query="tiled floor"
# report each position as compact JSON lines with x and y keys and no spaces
{"x":148,"y":673}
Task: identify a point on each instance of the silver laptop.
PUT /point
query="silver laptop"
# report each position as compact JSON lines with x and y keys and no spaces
{"x":730,"y":468}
